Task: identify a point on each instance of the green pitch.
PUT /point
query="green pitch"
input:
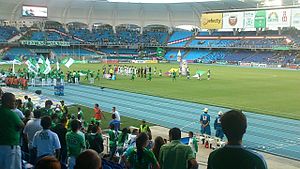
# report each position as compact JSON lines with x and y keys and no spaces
{"x":266,"y":91}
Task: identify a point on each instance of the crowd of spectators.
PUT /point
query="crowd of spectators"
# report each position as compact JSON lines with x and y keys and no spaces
{"x":56,"y":138}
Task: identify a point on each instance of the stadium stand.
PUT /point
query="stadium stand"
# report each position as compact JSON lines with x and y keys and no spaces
{"x":7,"y":32}
{"x":17,"y":52}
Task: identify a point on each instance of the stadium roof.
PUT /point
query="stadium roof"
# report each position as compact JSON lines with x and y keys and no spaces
{"x":115,"y":13}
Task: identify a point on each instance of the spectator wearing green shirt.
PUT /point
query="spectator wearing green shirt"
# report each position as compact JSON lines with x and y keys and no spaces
{"x":141,"y":157}
{"x":234,"y":155}
{"x":10,"y":127}
{"x":176,"y":155}
{"x":29,"y":105}
{"x":47,"y":111}
{"x":122,"y":138}
{"x":95,"y":140}
{"x":113,"y":136}
{"x":75,"y":142}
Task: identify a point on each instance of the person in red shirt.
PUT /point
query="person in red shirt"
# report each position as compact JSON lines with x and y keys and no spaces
{"x":98,"y":113}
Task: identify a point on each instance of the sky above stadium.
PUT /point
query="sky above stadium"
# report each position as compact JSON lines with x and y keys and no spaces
{"x":159,"y":1}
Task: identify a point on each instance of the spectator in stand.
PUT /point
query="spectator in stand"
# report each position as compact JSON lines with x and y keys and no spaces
{"x":122,"y":138}
{"x":204,"y":121}
{"x":115,"y":122}
{"x":176,"y":155}
{"x":17,"y":109}
{"x":158,"y":142}
{"x":75,"y":142}
{"x":95,"y":140}
{"x":29,"y":105}
{"x":47,"y":110}
{"x":193,"y":142}
{"x":89,"y":159}
{"x":114,"y":111}
{"x":113,"y":136}
{"x":141,"y":157}
{"x":61,"y":131}
{"x":48,"y":162}
{"x":218,"y":126}
{"x":29,"y":131}
{"x":10,"y":127}
{"x":46,"y":142}
{"x":234,"y":155}
{"x":27,"y":115}
{"x":98,"y":113}
{"x":25,"y":101}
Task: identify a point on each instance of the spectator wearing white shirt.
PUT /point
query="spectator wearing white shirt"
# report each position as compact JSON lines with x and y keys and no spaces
{"x":17,"y":109}
{"x":31,"y":127}
{"x":45,"y":141}
{"x":114,"y":111}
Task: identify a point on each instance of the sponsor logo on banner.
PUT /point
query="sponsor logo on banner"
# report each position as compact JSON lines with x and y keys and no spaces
{"x":211,"y":21}
{"x":295,"y":18}
{"x":249,"y":19}
{"x":278,"y":18}
{"x":233,"y":20}
{"x":260,"y":19}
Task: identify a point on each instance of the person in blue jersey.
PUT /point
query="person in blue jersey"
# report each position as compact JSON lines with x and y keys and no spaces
{"x":205,"y":122}
{"x":234,"y":155}
{"x":218,"y":126}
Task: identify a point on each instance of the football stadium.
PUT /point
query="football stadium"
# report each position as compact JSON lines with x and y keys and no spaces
{"x":139,"y":84}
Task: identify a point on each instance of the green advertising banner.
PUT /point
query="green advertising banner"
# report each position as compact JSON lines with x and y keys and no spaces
{"x":44,"y":43}
{"x":260,"y":19}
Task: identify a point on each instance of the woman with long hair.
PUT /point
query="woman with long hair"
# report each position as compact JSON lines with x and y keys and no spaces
{"x":158,"y":142}
{"x":141,"y":157}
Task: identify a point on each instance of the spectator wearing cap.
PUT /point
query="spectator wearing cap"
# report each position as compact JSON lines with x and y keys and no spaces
{"x":204,"y":121}
{"x":47,"y":111}
{"x":234,"y":155}
{"x":10,"y":127}
{"x":218,"y":126}
{"x":29,"y":131}
{"x":46,"y":142}
{"x":176,"y":155}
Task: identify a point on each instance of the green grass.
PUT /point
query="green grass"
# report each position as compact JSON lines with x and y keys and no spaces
{"x":89,"y":112}
{"x":266,"y":91}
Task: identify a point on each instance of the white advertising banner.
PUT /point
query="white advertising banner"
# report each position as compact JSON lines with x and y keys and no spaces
{"x":249,"y":19}
{"x":295,"y":18}
{"x":278,"y":18}
{"x":233,"y":20}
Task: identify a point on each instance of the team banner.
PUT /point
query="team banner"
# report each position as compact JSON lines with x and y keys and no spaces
{"x":233,"y":20}
{"x":295,"y":18}
{"x":278,"y":18}
{"x":211,"y":21}
{"x":260,"y":19}
{"x":249,"y":19}
{"x":44,"y":43}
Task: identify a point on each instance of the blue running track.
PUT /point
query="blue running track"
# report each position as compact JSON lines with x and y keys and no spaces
{"x":271,"y":134}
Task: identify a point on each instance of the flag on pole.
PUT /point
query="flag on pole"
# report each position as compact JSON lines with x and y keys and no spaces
{"x":57,"y":65}
{"x":47,"y":67}
{"x":69,"y":62}
{"x":31,"y":63}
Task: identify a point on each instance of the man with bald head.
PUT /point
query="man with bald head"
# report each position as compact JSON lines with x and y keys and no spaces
{"x":10,"y":127}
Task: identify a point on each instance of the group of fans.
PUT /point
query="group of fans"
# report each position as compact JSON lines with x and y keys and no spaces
{"x":54,"y":136}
